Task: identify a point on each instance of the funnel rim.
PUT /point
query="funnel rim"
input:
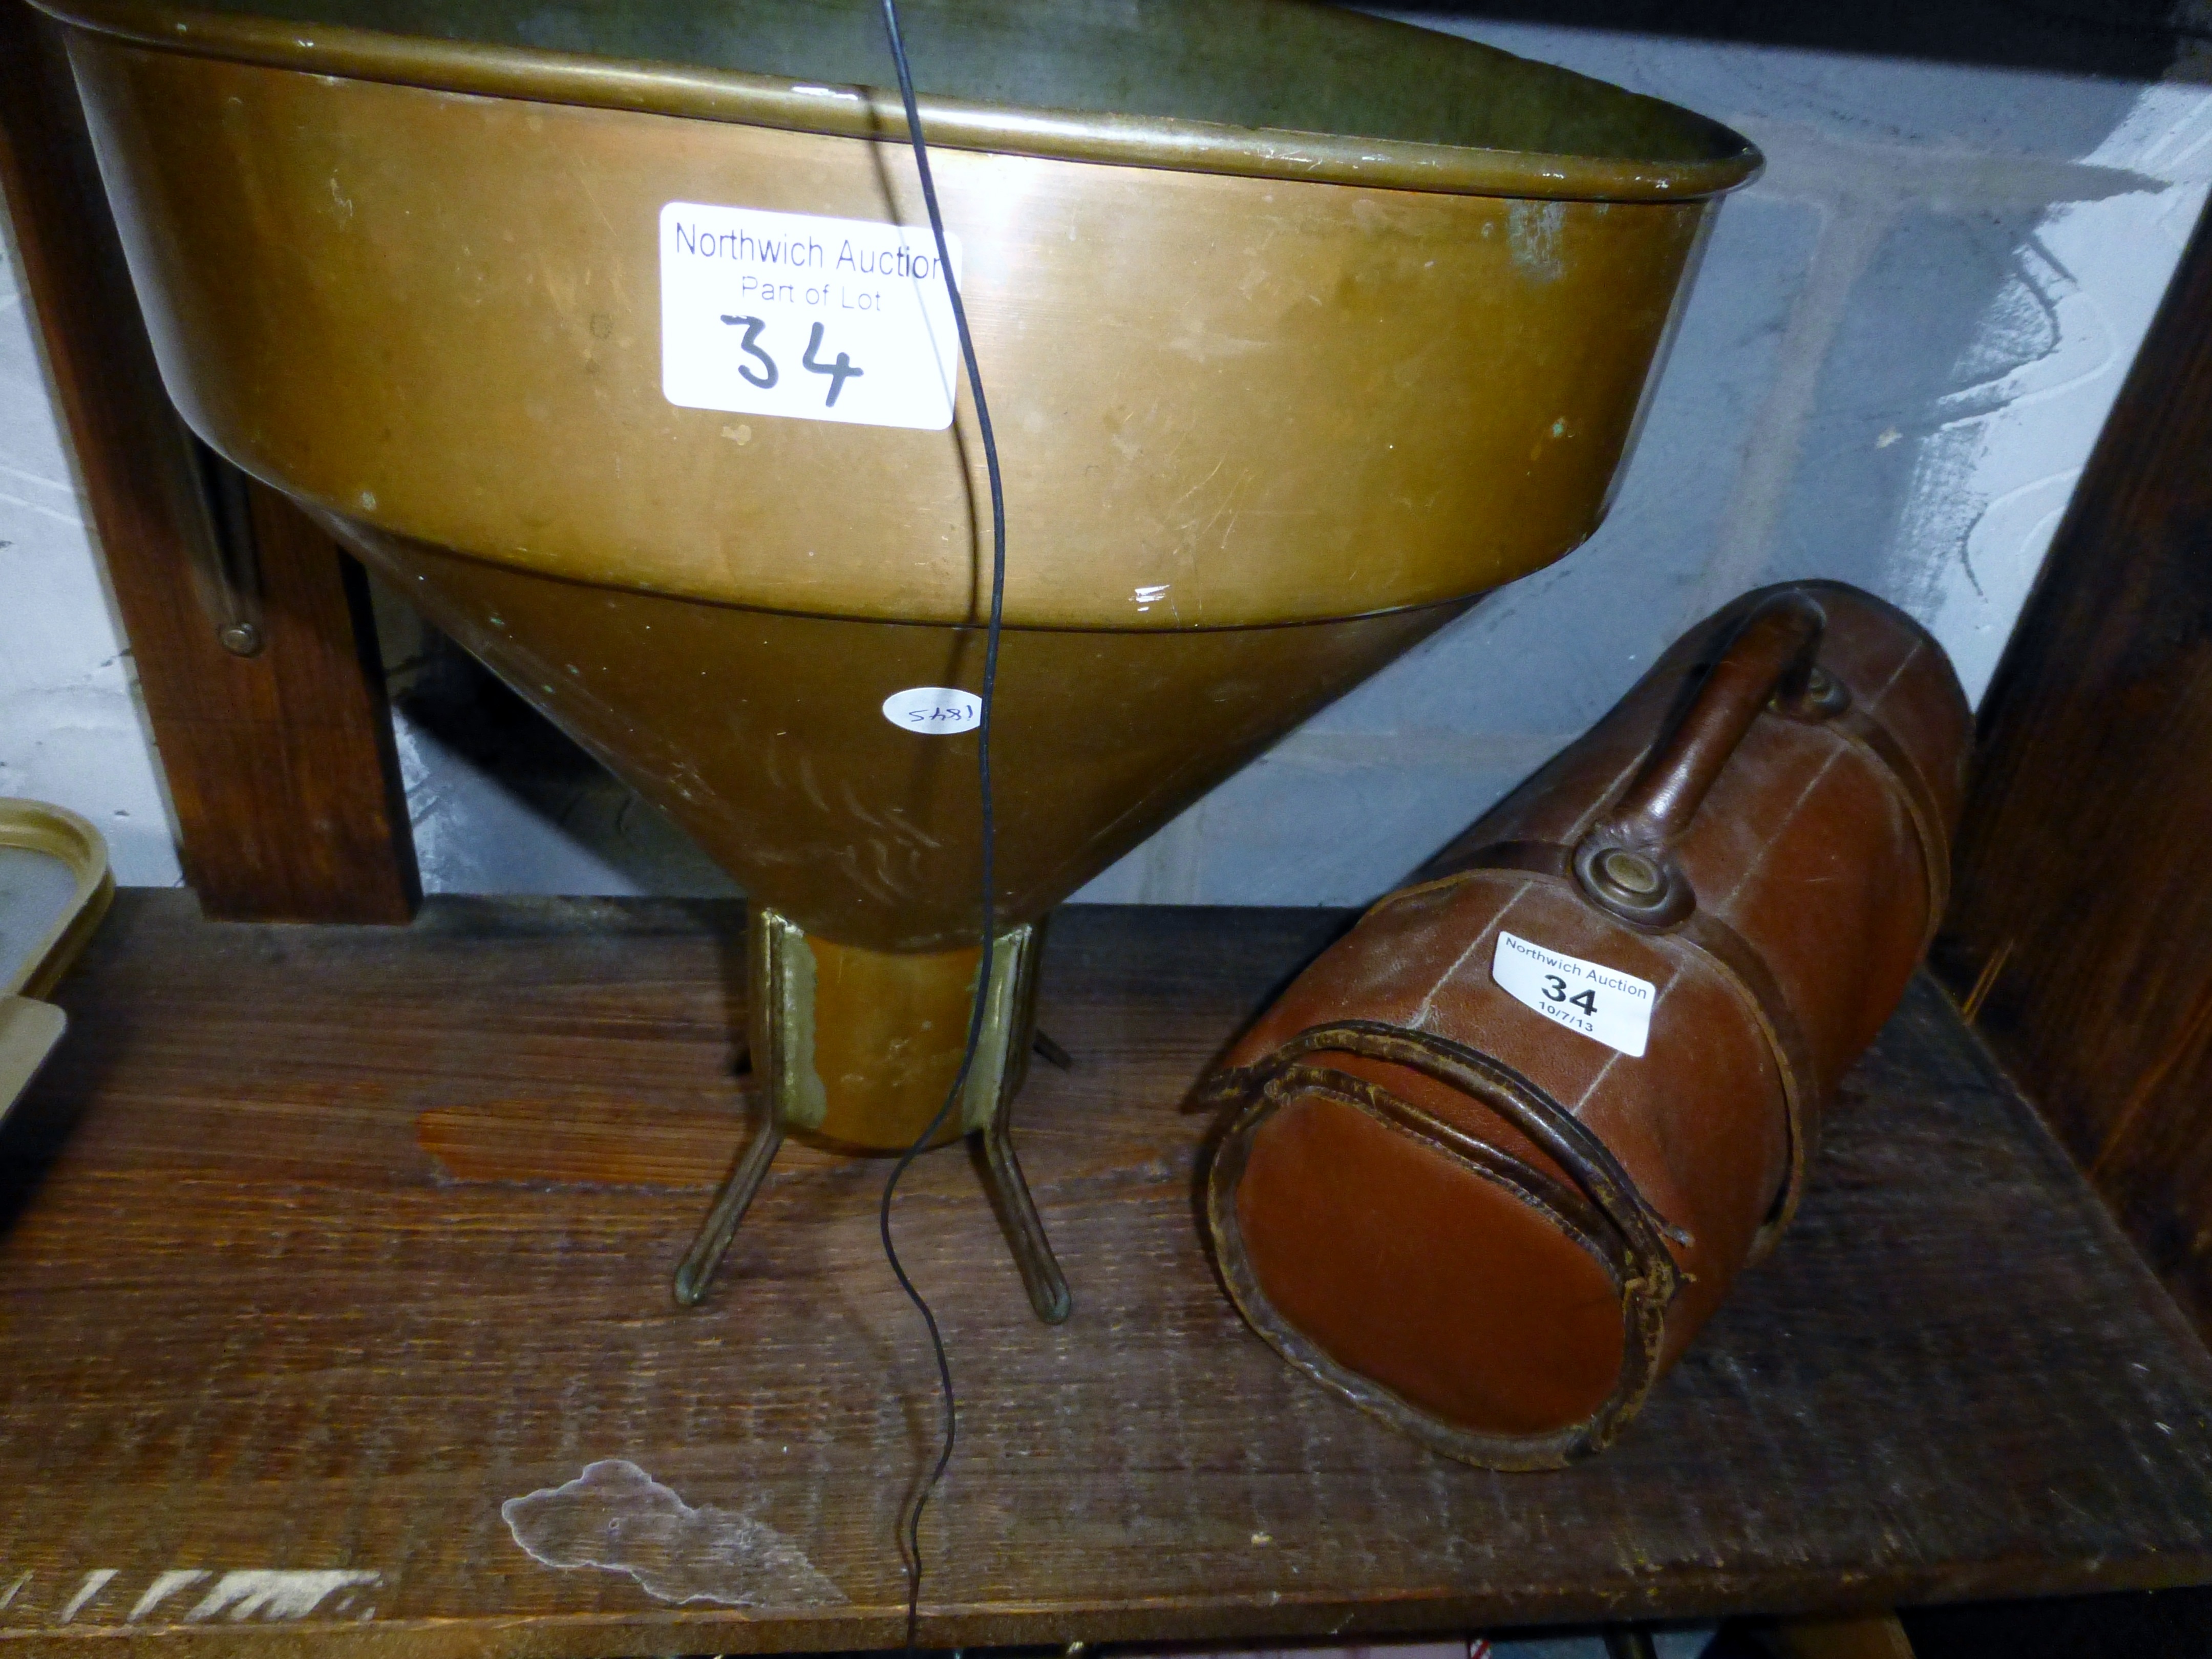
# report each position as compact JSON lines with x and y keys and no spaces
{"x":1171,"y":143}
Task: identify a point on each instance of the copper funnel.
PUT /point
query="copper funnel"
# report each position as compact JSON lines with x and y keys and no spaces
{"x":596,"y":331}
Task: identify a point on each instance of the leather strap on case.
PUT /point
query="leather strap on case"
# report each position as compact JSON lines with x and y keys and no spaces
{"x":1891,"y":758}
{"x":1624,"y":865}
{"x":1743,"y":970}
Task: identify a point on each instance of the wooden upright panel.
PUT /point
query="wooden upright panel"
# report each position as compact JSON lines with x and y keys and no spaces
{"x":280,"y":765}
{"x":2083,"y":907}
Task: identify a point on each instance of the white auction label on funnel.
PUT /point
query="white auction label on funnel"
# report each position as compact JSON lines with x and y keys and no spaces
{"x":936,"y":711}
{"x":811,"y":318}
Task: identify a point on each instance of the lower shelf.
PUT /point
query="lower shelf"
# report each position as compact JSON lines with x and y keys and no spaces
{"x":270,"y":1372}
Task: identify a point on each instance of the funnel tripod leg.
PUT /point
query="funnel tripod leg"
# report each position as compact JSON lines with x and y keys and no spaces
{"x":1024,"y":1229}
{"x":805,"y":993}
{"x":696,"y":1270}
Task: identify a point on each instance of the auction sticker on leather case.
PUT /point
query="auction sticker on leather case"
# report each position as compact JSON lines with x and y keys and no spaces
{"x":1589,"y":997}
{"x":806,"y":317}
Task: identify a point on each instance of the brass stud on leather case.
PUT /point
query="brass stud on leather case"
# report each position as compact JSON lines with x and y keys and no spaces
{"x":1630,"y":873}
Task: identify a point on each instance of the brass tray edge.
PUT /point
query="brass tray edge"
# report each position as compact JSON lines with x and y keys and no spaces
{"x":61,"y":833}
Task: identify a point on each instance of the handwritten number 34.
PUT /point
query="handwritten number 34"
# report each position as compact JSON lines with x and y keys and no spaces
{"x":1555,"y":990}
{"x":839,"y":369}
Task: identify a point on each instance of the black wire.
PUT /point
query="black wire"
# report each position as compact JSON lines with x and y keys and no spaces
{"x":913,"y":1553}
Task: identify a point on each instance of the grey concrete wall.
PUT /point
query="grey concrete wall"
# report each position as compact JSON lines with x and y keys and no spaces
{"x":1904,"y":339}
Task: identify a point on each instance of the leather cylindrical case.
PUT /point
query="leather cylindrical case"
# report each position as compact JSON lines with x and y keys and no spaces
{"x":1497,"y":1153}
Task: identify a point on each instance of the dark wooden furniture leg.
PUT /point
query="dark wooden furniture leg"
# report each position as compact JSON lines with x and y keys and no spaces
{"x":280,"y":764}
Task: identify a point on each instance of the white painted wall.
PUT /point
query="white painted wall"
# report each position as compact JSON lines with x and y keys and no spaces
{"x":1904,"y":340}
{"x":70,"y":729}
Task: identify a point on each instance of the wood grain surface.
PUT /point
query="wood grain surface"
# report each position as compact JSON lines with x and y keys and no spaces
{"x":250,"y":1332}
{"x":2083,"y":898}
{"x":280,"y":767}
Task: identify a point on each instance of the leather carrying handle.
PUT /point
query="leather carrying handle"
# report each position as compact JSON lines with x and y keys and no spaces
{"x":1625,"y":863}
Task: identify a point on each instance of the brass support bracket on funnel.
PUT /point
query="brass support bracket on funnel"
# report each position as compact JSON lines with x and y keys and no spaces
{"x":225,"y":562}
{"x":889,"y":1030}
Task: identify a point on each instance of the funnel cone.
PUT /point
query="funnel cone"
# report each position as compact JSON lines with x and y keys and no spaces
{"x":629,"y":363}
{"x":762,"y":733}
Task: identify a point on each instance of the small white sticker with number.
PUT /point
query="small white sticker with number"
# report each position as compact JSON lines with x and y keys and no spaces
{"x":1600,"y":1002}
{"x":811,"y":318}
{"x":935,"y":710}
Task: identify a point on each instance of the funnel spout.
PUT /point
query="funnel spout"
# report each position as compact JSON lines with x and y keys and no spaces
{"x":856,"y":1049}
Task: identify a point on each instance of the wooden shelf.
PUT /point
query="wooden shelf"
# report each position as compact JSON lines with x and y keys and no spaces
{"x":252,"y":1330}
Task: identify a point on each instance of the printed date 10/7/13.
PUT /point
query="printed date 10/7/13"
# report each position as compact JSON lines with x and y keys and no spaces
{"x":761,"y":371}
